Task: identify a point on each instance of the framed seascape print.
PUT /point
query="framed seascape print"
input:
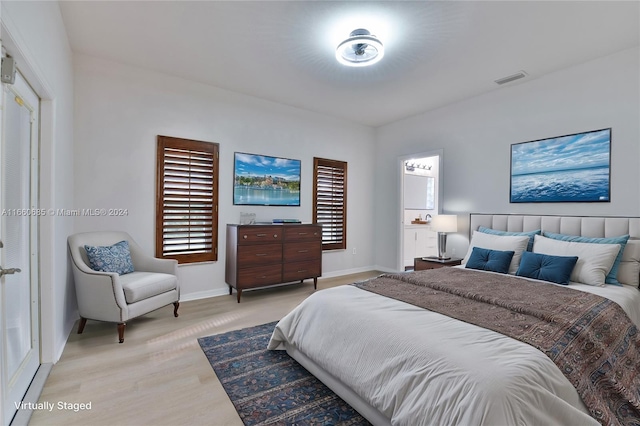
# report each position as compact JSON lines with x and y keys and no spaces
{"x":262,"y":180}
{"x":571,"y":168}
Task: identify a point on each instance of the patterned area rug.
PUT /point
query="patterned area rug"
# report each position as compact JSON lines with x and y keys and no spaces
{"x":269,"y":387}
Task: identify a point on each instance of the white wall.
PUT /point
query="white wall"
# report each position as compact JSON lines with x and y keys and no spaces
{"x":120,"y":111}
{"x":476,"y":135}
{"x":34,"y":33}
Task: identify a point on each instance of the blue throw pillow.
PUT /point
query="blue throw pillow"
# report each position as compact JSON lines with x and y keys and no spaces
{"x":490,"y":260}
{"x":556,"y":269}
{"x":611,"y":277}
{"x":115,"y":258}
{"x":529,"y":234}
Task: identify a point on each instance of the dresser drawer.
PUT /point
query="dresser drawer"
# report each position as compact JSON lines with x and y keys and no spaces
{"x":259,"y":276}
{"x":302,"y":233}
{"x":258,"y":254}
{"x":301,"y":270}
{"x":258,"y":234}
{"x":294,"y":252}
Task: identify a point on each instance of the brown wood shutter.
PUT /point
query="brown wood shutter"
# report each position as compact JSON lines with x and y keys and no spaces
{"x":187,"y":200}
{"x":330,"y":202}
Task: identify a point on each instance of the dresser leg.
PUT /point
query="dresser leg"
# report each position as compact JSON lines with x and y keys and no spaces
{"x":315,"y":283}
{"x":230,"y":290}
{"x":239,"y":294}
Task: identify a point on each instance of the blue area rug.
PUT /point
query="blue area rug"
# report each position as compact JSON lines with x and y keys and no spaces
{"x":270,"y":387}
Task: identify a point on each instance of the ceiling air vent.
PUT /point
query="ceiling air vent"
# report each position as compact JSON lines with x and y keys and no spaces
{"x":510,"y":78}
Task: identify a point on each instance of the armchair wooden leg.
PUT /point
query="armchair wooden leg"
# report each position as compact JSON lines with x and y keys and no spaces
{"x":83,"y":322}
{"x":176,"y":305}
{"x":121,"y":331}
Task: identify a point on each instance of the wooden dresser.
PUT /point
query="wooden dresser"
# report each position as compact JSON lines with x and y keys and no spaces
{"x":263,"y":255}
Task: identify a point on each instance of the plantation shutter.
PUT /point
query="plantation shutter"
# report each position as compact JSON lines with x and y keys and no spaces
{"x":330,"y":202}
{"x":187,"y":200}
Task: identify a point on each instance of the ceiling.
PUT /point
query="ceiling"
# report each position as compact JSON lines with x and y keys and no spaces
{"x":437,"y":52}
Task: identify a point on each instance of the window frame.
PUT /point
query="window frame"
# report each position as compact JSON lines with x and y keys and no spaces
{"x":209,"y":148}
{"x":335,"y":165}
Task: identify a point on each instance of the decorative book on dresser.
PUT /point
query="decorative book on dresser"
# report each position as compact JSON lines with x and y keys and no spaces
{"x":262,"y":255}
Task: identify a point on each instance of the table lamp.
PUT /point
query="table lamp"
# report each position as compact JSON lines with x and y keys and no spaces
{"x":442,"y":224}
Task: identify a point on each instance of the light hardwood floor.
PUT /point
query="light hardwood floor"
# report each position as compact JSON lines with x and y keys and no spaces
{"x":159,"y":375}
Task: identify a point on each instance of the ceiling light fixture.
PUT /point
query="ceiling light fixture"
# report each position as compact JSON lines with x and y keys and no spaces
{"x":360,"y":49}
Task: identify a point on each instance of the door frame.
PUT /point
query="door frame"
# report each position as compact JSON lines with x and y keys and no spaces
{"x":21,"y":89}
{"x":15,"y":44}
{"x":400,"y":212}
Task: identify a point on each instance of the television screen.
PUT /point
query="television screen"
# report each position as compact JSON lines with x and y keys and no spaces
{"x":261,"y":180}
{"x":571,"y":168}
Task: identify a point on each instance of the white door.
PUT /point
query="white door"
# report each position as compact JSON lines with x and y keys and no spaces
{"x":19,"y":289}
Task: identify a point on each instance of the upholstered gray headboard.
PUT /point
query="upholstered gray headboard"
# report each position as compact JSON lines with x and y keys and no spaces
{"x":570,"y":225}
{"x":586,"y":226}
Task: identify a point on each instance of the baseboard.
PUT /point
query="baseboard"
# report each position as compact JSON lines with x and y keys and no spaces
{"x":67,"y":333}
{"x":385,"y":269}
{"x":344,"y":272}
{"x":225,"y":291}
{"x":205,"y":294}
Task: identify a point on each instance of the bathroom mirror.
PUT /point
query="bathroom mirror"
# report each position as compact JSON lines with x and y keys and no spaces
{"x":419,"y":192}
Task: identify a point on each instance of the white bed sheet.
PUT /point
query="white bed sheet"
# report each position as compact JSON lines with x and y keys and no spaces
{"x":419,"y":367}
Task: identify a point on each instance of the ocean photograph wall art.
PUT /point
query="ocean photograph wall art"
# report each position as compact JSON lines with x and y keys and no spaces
{"x":571,"y":168}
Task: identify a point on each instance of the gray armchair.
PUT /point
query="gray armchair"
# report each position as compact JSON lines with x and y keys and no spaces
{"x":107,"y":296}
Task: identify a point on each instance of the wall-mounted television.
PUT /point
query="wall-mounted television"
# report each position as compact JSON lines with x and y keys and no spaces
{"x":262,"y":180}
{"x":570,"y":168}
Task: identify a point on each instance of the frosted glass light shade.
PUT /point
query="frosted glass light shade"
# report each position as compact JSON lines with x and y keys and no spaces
{"x":445,"y":223}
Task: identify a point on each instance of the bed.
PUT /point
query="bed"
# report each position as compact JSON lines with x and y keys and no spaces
{"x":401,"y":364}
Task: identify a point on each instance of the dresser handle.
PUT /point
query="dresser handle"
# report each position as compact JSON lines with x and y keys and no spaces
{"x":303,"y":251}
{"x":261,"y":235}
{"x":261,"y":254}
{"x":302,"y":233}
{"x":264,"y":276}
{"x":302,"y":270}
{"x":275,"y":235}
{"x":244,"y":236}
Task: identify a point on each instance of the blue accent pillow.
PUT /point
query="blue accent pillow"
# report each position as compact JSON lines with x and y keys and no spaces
{"x":556,"y":269}
{"x":490,"y":260}
{"x":611,"y":277}
{"x":529,"y":234}
{"x":115,"y":258}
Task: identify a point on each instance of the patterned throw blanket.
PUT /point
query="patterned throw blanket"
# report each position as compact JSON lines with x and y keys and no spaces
{"x":590,"y":338}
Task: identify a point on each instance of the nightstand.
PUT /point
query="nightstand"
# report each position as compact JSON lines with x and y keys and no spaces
{"x":422,"y":263}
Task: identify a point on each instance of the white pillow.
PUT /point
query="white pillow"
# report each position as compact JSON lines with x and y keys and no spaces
{"x":515,"y":243}
{"x":594,"y":260}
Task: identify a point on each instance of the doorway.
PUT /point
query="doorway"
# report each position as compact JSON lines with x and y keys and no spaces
{"x":420,"y":189}
{"x":19,"y":279}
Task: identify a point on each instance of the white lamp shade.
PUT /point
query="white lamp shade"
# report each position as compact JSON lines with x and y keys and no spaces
{"x":445,"y":223}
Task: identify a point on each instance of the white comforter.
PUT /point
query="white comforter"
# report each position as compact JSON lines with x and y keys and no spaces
{"x":419,"y":367}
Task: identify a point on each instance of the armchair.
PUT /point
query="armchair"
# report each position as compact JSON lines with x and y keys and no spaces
{"x":108,"y":296}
